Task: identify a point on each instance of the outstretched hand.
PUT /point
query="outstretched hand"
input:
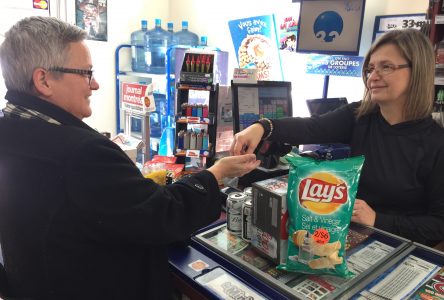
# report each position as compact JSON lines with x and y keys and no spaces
{"x":246,"y":141}
{"x":234,"y":166}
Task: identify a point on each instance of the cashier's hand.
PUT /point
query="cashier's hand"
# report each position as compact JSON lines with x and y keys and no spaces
{"x":234,"y":166}
{"x":247,"y":140}
{"x":363,"y":214}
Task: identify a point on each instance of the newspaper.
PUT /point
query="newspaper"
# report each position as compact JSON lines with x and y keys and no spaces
{"x":319,"y":287}
{"x":402,"y":281}
{"x":367,"y":257}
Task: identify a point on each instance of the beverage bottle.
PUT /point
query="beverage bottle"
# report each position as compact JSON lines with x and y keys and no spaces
{"x":157,"y":41}
{"x":138,"y":48}
{"x":185,"y":37}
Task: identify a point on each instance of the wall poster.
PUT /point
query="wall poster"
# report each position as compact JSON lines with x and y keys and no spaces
{"x":91,"y":15}
{"x":256,"y":46}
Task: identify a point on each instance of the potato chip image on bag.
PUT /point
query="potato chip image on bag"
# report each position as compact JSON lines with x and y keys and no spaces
{"x":320,"y":200}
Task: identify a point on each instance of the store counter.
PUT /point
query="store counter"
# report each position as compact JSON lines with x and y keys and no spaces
{"x":219,"y":265}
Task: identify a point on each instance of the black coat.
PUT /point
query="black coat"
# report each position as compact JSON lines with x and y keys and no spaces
{"x":77,"y":218}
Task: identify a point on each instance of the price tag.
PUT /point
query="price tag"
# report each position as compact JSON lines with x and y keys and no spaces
{"x":192,"y":153}
{"x":439,"y":19}
{"x":439,"y":80}
{"x":321,"y":236}
{"x":242,"y":75}
{"x":401,"y":22}
{"x":392,"y":22}
{"x":193,"y":119}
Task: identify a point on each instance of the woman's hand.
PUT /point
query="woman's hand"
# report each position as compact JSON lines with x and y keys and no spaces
{"x":234,"y":166}
{"x":246,"y":141}
{"x":363,"y":214}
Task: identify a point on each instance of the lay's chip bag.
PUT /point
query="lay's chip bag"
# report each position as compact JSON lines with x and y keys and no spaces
{"x":320,"y":200}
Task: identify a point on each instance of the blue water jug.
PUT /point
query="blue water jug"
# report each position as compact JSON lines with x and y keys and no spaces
{"x":158,"y":118}
{"x":171,"y":52}
{"x":157,"y":41}
{"x":138,"y":48}
{"x":185,"y":37}
{"x":203,"y":41}
{"x":170,"y":27}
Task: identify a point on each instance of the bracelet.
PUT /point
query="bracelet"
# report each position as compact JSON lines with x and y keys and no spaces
{"x":267,"y":124}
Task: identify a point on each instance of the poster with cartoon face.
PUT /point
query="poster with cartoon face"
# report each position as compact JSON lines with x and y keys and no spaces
{"x":288,"y":29}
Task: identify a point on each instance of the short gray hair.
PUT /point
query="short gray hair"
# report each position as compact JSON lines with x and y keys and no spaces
{"x":35,"y":42}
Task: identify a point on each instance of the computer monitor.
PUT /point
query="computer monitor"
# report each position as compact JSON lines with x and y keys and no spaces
{"x":264,"y":99}
{"x":317,"y":107}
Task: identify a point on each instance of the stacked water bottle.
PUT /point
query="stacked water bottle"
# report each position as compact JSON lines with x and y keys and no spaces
{"x":149,"y":47}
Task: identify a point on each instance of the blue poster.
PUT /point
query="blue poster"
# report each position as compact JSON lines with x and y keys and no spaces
{"x":338,"y":65}
{"x":330,"y":26}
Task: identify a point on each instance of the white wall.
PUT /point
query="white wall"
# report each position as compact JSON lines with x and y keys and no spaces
{"x":9,"y":14}
{"x":123,"y":18}
{"x":210,"y":17}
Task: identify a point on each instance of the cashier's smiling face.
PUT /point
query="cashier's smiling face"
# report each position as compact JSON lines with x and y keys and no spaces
{"x":388,"y":89}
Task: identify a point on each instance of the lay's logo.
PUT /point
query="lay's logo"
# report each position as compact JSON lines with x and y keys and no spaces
{"x":322,"y":193}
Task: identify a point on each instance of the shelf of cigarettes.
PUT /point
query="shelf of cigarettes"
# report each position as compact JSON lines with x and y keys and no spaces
{"x":191,"y":140}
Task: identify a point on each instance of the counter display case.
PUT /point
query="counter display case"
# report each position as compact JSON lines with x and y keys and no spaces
{"x":417,"y":274}
{"x":368,"y":250}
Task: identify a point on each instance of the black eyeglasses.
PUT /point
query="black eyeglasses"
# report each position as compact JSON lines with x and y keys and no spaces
{"x":88,"y":73}
{"x":384,"y":69}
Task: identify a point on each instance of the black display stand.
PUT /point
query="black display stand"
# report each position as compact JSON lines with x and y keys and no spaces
{"x":195,"y":137}
{"x":184,"y":122}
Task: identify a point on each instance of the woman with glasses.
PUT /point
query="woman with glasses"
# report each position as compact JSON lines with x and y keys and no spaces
{"x":77,"y":218}
{"x":401,"y":188}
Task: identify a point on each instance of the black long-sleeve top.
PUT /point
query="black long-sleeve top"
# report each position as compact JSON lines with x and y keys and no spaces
{"x":403,"y":175}
{"x":77,"y":218}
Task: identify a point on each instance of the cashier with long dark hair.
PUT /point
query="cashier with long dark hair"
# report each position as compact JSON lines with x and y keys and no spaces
{"x":401,"y":188}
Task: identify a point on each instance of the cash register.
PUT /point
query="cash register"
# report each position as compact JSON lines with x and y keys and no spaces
{"x":317,"y":107}
{"x":263,"y":99}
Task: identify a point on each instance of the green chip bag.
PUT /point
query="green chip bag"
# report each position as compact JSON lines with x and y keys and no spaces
{"x":320,"y":200}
